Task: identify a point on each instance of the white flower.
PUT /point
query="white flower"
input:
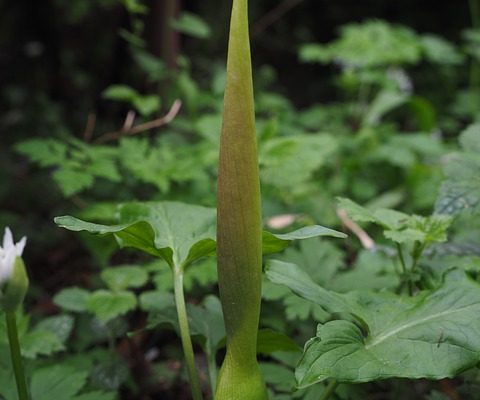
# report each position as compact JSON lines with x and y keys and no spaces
{"x":8,"y":253}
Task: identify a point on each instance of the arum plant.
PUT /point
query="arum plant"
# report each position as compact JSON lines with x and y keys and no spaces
{"x":13,"y":287}
{"x":239,"y":222}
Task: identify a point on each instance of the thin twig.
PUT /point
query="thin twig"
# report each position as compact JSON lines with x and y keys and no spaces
{"x":129,"y":129}
{"x":365,"y":239}
{"x":272,"y":16}
{"x":90,"y":127}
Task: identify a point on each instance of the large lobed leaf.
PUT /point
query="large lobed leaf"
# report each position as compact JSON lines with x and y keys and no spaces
{"x":433,"y":335}
{"x":177,"y":232}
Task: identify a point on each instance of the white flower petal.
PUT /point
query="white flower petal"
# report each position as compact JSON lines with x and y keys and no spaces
{"x":20,"y":246}
{"x":7,"y":239}
{"x":9,"y":253}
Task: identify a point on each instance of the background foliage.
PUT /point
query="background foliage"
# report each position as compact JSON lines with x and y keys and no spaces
{"x":373,"y":101}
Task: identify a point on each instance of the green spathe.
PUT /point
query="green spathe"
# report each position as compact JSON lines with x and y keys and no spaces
{"x":14,"y":290}
{"x":239,"y":222}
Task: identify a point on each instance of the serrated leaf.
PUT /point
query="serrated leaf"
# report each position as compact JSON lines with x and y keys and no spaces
{"x":107,"y":305}
{"x":432,"y":335}
{"x":72,"y":181}
{"x":124,"y":277}
{"x":58,"y":382}
{"x":45,"y":152}
{"x":72,"y":299}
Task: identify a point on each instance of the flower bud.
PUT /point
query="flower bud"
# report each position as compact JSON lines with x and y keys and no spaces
{"x":13,"y":275}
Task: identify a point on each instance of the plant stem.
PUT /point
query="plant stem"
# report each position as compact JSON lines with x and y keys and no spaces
{"x":212,"y":368}
{"x":16,"y":355}
{"x":329,"y":390}
{"x":404,"y":268}
{"x":185,"y":334}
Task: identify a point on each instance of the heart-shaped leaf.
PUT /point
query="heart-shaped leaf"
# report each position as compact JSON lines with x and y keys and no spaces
{"x":433,"y":335}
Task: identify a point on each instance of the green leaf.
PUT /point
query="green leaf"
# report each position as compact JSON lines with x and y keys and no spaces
{"x":192,"y":25}
{"x":461,"y":189}
{"x":275,"y":242}
{"x":124,"y":277}
{"x":97,"y":395}
{"x":72,"y":299}
{"x":154,"y":300}
{"x":107,"y":305}
{"x":355,"y":211}
{"x":385,"y":101}
{"x":433,"y":335}
{"x":40,"y":342}
{"x":59,"y":325}
{"x":371,"y":43}
{"x":72,"y":181}
{"x":147,"y":105}
{"x":120,"y":93}
{"x":58,"y":382}
{"x":45,"y":152}
{"x":179,"y":233}
{"x":269,"y":341}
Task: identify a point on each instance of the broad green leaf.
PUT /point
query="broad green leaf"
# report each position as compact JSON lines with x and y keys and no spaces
{"x":124,"y":277}
{"x":58,"y":382}
{"x":269,"y":341}
{"x":179,"y":233}
{"x":154,"y":300}
{"x":107,"y":305}
{"x":40,"y":342}
{"x":72,"y":299}
{"x":192,"y":25}
{"x":276,"y":242}
{"x":60,"y":325}
{"x":433,"y":335}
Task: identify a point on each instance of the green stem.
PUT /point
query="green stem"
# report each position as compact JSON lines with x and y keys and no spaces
{"x":329,"y":390}
{"x":404,"y":268}
{"x":185,"y":334}
{"x":16,"y":355}
{"x":212,"y":368}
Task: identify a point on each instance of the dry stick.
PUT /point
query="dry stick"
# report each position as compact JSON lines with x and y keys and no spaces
{"x":365,"y":239}
{"x":272,"y":16}
{"x":129,"y":129}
